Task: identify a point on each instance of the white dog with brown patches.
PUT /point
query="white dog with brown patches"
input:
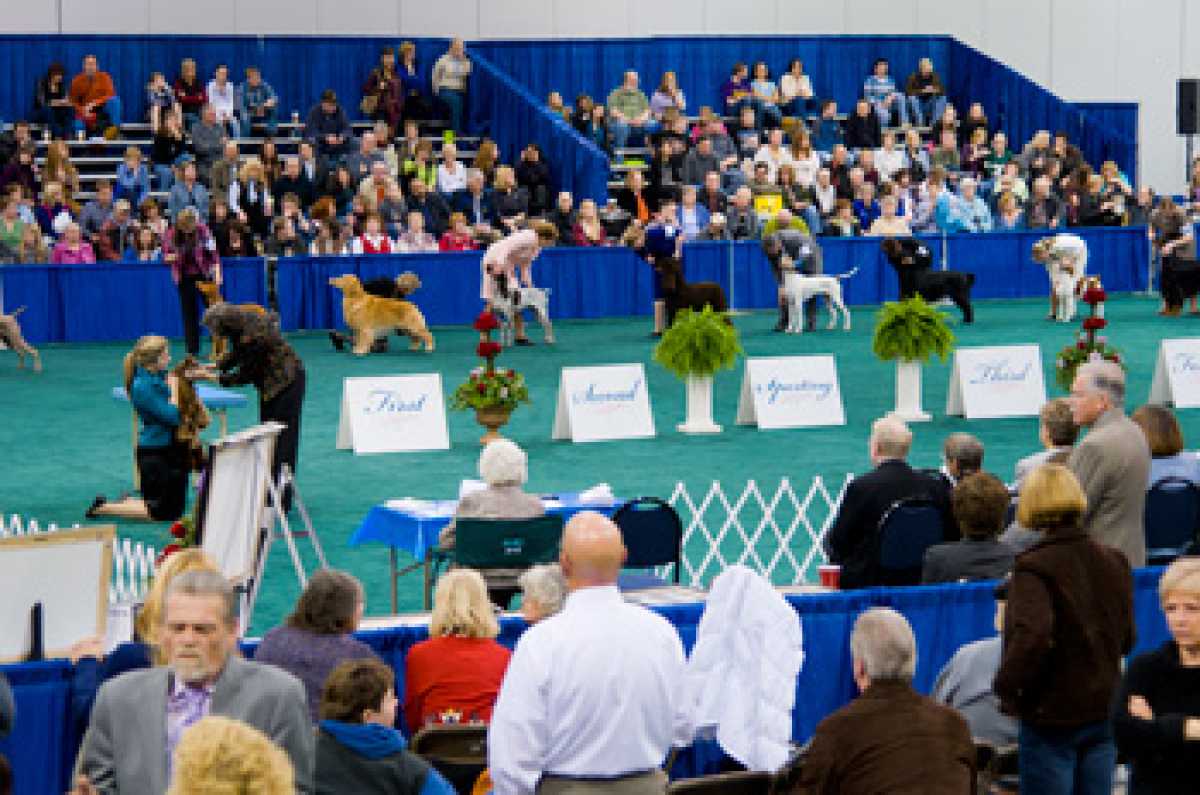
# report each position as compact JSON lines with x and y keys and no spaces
{"x":798,"y":288}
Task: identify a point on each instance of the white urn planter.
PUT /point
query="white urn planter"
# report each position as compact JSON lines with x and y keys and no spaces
{"x":699,"y":406}
{"x":908,"y":392}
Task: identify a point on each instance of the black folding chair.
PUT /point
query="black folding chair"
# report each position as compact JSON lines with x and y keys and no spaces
{"x":457,"y":751}
{"x":653,"y":535}
{"x":906,"y":530}
{"x":1172,"y":519}
{"x":499,"y":544}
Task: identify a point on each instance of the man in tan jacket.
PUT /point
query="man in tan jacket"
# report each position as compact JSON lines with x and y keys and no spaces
{"x":1112,"y":462}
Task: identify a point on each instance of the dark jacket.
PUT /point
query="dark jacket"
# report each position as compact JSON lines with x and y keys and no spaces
{"x":1069,"y":621}
{"x":891,"y":739}
{"x":864,"y":133}
{"x":434,"y":208}
{"x":1160,"y":756}
{"x":339,"y":769}
{"x":969,"y":560}
{"x":853,"y":541}
{"x":462,"y":201}
{"x":301,"y":186}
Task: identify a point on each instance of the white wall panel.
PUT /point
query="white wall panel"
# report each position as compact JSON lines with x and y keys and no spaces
{"x":964,"y":21}
{"x":666,"y":17}
{"x":210,"y":16}
{"x":1148,"y":65}
{"x":592,"y":20}
{"x":746,"y":16}
{"x":516,"y":19}
{"x":358,"y":17}
{"x":442,"y":18}
{"x":110,"y":16}
{"x":23,"y":16}
{"x":811,"y":17}
{"x":1083,"y":50}
{"x":881,"y":16}
{"x":285,"y":17}
{"x":1017,"y":33}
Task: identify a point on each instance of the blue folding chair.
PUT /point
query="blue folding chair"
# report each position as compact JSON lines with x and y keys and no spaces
{"x":906,"y":530}
{"x":1172,"y":519}
{"x":653,"y":535}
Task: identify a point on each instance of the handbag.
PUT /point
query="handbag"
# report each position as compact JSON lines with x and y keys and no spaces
{"x":369,"y":104}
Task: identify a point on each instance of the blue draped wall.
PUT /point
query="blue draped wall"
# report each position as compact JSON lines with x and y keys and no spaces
{"x":943,"y":618}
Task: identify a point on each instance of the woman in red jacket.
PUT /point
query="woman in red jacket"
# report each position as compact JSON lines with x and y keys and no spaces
{"x":454,"y":677}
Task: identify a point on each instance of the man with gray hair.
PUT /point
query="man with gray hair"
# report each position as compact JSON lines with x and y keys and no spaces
{"x":140,"y":716}
{"x":1112,"y":462}
{"x":962,"y":455}
{"x":891,"y":738}
{"x":543,"y":591}
{"x":852,"y":541}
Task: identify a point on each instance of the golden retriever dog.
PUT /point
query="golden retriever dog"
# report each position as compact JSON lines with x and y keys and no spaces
{"x":371,"y":316}
{"x":10,"y":335}
{"x":212,"y":296}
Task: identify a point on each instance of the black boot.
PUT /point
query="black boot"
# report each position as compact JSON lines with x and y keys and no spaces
{"x":783,"y":317}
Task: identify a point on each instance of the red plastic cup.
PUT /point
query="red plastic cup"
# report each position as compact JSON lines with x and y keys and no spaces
{"x":830,"y":575}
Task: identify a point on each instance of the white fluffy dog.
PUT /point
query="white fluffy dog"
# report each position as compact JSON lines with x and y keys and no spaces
{"x":509,"y":302}
{"x":1065,"y":278}
{"x":798,"y":289}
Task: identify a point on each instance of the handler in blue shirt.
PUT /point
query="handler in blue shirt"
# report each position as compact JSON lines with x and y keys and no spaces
{"x":662,"y":237}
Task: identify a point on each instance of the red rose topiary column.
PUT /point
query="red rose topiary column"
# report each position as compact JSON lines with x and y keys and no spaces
{"x":493,"y":418}
{"x":1090,"y":345}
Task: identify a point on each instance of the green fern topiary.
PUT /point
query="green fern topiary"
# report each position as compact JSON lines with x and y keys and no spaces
{"x":911,"y":330}
{"x":698,"y":343}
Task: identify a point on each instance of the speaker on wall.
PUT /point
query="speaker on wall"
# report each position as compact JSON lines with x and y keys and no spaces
{"x":1187,"y":107}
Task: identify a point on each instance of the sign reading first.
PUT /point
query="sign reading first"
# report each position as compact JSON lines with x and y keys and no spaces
{"x":393,"y":414}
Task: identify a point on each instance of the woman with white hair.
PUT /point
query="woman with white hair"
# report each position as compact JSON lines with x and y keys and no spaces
{"x":455,"y":676}
{"x":72,"y":249}
{"x":543,"y":591}
{"x":503,"y":466}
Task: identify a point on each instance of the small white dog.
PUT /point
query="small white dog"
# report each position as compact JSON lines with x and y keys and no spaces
{"x":1065,"y":278}
{"x":509,"y":302}
{"x":798,"y":289}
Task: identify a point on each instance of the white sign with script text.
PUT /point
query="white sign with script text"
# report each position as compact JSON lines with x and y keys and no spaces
{"x":790,"y":392}
{"x":605,"y":402}
{"x":393,"y":414}
{"x":1001,"y":381}
{"x":1177,"y":374}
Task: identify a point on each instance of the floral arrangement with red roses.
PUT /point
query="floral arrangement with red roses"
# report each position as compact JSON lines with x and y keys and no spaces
{"x":1090,"y":345}
{"x":489,"y":386}
{"x":183,"y":535}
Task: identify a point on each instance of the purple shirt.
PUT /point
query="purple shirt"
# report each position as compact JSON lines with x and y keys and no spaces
{"x":309,"y":657}
{"x":186,"y":704}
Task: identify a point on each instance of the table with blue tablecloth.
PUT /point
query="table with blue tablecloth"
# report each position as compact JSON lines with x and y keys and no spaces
{"x":413,"y":525}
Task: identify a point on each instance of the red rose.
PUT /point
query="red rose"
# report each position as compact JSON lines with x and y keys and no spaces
{"x":1093,"y":295}
{"x":1116,"y":358}
{"x":1094,"y":323}
{"x":1081,"y":345}
{"x":481,"y":388}
{"x":168,"y":551}
{"x":178,"y":530}
{"x":487,"y":350}
{"x":512,"y":373}
{"x":486,"y":322}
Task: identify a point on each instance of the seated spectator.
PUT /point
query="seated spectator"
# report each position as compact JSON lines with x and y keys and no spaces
{"x":768,"y":198}
{"x":629,"y":112}
{"x":416,"y":91}
{"x":980,"y":503}
{"x":965,"y":683}
{"x":328,"y":128}
{"x":800,"y":200}
{"x":866,"y":208}
{"x":635,"y":198}
{"x":1009,"y":216}
{"x":543,"y":592}
{"x":53,"y":213}
{"x":711,"y":197}
{"x":421,"y":165}
{"x":450,"y":78}
{"x":383,"y":93}
{"x":533,"y":176}
{"x":317,"y":636}
{"x":160,"y":101}
{"x":458,"y":237}
{"x":117,"y":233}
{"x":862,"y":128}
{"x":796,"y":92}
{"x":667,"y":95}
{"x":998,"y":157}
{"x":358,"y":750}
{"x":415,"y":239}
{"x":1036,"y":156}
{"x":693,"y":217}
{"x":133,"y":178}
{"x":698,"y":162}
{"x":511,"y":201}
{"x":97,"y":106}
{"x":843,"y":222}
{"x":58,"y":168}
{"x":736,"y":94}
{"x":222,"y":96}
{"x":330,"y":239}
{"x":224,"y":755}
{"x":294,"y":181}
{"x":451,"y":174}
{"x":430,"y":204}
{"x":741,"y":217}
{"x":166,"y":146}
{"x":593,"y":125}
{"x":916,"y":158}
{"x":774,"y":154}
{"x":1168,"y":459}
{"x":717,"y":228}
{"x":284,"y":240}
{"x":249,"y":198}
{"x":805,"y":160}
{"x":588,"y":230}
{"x":839,"y":172}
{"x":765,"y":95}
{"x":976,"y":215}
{"x":888,"y":159}
{"x":340,"y":186}
{"x":503,"y":466}
{"x":889,"y":224}
{"x":454,"y":677}
{"x":373,"y":239}
{"x":1012,"y":182}
{"x":926,"y":94}
{"x":1068,"y":623}
{"x":1044,"y":210}
{"x":852,"y":541}
{"x":1067,"y":154}
{"x":360,"y":161}
{"x":563,"y":217}
{"x":975,"y":152}
{"x":20,"y":171}
{"x":51,"y":105}
{"x":258,"y":103}
{"x":1057,"y":433}
{"x":826,"y":193}
{"x":554,"y":104}
{"x":1156,"y":711}
{"x":891,"y":738}
{"x":145,"y":247}
{"x":238,"y":241}
{"x":377,"y":187}
{"x":208,"y":140}
{"x":746,"y":133}
{"x":948,"y":214}
{"x":11,"y":230}
{"x":33,"y":246}
{"x":880,"y":90}
{"x":976,"y":120}
{"x":476,"y":202}
{"x":97,"y":211}
{"x":946,"y":155}
{"x":189,"y":92}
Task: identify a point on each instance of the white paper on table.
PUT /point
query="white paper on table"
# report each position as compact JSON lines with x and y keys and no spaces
{"x":600,"y":494}
{"x":551,"y":503}
{"x":412,"y":505}
{"x":470,"y":486}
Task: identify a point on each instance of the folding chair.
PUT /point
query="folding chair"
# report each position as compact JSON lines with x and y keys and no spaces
{"x":457,"y":751}
{"x":653,"y":535}
{"x":499,"y":544}
{"x":743,"y":783}
{"x":906,"y":530}
{"x":1172,"y":519}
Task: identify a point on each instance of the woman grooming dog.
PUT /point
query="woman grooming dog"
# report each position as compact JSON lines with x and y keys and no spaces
{"x":260,"y":356}
{"x":161,"y":459}
{"x":191,"y":251}
{"x":1065,"y":257}
{"x":502,"y":261}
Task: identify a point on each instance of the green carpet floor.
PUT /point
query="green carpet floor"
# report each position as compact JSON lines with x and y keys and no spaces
{"x":65,"y":440}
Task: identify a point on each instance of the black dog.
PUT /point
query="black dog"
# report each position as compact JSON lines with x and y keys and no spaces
{"x":912,"y":260}
{"x":678,"y":294}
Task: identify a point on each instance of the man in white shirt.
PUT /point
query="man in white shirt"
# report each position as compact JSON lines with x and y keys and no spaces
{"x":222,"y":95}
{"x":774,"y":154}
{"x":593,"y":698}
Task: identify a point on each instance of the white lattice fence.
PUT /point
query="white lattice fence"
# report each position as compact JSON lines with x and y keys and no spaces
{"x":778,"y":535}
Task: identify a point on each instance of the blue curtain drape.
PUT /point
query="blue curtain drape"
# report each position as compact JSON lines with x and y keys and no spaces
{"x":119,"y":301}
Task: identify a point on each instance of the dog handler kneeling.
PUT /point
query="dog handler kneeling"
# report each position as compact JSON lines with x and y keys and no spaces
{"x":792,"y":248}
{"x":502,"y":260}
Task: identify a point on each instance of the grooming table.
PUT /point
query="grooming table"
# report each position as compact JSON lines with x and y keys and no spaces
{"x":214,"y":398}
